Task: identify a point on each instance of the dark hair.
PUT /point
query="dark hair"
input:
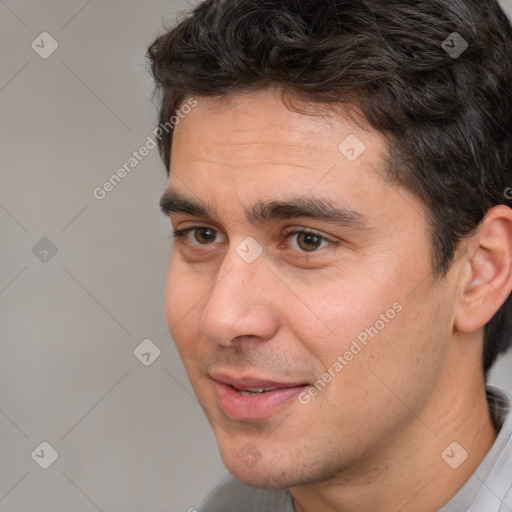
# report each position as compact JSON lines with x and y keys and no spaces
{"x":447,"y":118}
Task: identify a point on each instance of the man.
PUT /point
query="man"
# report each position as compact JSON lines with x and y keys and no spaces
{"x":339,"y":190}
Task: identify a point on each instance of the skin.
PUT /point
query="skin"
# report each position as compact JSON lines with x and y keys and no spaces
{"x":372,"y":439}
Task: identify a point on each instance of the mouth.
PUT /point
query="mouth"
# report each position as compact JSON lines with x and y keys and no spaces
{"x":253,"y":399}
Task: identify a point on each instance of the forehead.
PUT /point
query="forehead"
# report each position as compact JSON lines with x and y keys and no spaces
{"x":262,"y":128}
{"x":257,"y":148}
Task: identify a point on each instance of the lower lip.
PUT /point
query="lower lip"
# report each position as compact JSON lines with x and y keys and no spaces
{"x":255,"y":407}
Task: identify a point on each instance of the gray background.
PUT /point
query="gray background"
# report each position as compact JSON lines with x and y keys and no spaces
{"x":129,"y":437}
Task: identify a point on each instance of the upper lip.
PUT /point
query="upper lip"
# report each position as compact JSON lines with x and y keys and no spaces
{"x":249,"y":382}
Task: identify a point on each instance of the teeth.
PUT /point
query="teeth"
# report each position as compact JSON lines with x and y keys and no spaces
{"x":254,"y":391}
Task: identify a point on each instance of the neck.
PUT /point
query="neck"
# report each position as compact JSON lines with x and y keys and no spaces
{"x":417,"y":469}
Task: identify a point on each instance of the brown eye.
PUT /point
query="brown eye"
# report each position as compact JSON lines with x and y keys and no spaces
{"x":205,"y":235}
{"x":199,"y":235}
{"x":309,"y":241}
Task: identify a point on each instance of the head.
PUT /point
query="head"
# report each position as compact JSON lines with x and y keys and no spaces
{"x":360,"y":111}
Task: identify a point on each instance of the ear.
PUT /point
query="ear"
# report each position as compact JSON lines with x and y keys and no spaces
{"x":488,"y":280}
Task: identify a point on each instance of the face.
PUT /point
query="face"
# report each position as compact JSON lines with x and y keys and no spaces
{"x":300,"y":294}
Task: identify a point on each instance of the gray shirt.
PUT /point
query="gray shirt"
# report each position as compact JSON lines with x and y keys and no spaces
{"x":488,"y":490}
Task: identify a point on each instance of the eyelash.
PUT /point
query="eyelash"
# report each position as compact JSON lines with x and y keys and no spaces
{"x":180,"y":233}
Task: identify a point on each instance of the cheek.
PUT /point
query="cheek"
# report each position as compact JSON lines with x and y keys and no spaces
{"x":172,"y":304}
{"x":342,"y":311}
{"x":373,"y":322}
{"x":182,"y":305}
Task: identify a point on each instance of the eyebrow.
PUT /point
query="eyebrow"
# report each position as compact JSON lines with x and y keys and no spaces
{"x":173,"y":201}
{"x":263,"y":212}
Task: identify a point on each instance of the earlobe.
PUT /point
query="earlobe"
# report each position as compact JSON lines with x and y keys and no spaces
{"x":489,"y":281}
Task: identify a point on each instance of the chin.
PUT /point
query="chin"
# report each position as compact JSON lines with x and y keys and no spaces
{"x":253,"y":468}
{"x":274,"y":474}
{"x":264,"y":476}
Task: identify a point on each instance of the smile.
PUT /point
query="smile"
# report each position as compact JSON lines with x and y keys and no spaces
{"x":252,"y":399}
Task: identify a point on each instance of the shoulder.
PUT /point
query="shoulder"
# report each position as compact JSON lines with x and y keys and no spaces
{"x":234,"y":496}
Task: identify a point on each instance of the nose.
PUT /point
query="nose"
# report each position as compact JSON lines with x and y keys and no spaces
{"x":242,"y":303}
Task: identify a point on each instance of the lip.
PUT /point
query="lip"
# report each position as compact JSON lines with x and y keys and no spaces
{"x":257,"y":407}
